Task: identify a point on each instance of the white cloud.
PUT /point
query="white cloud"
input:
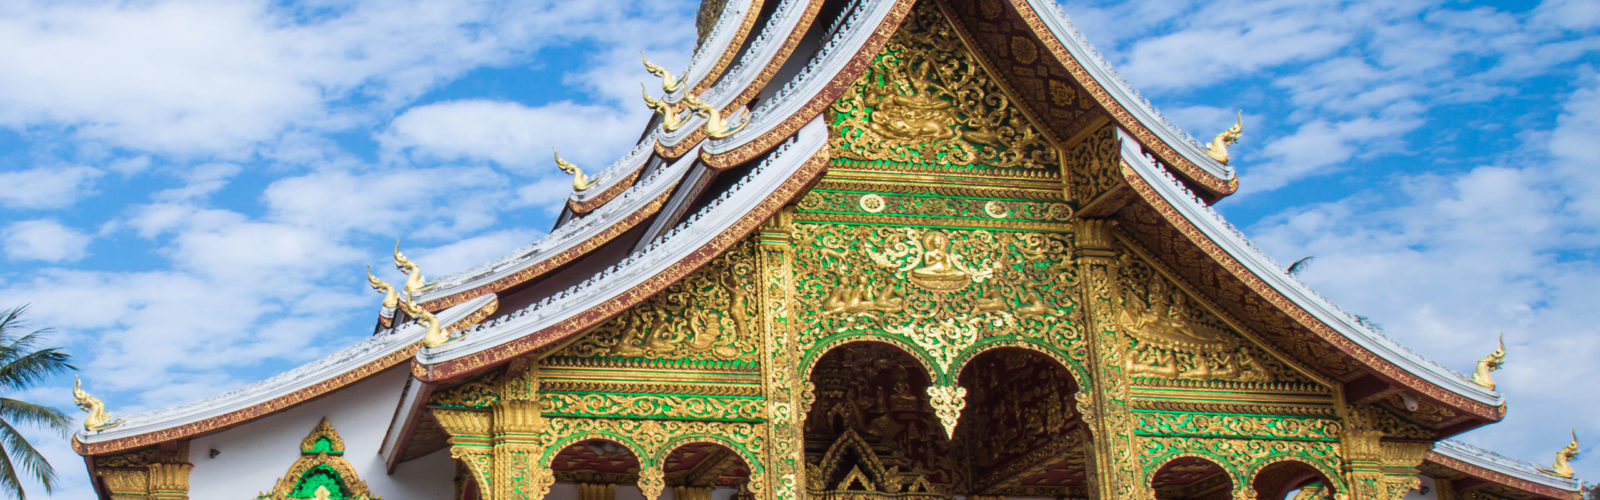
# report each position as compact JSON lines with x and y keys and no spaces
{"x":514,"y":135}
{"x":461,"y":255}
{"x":45,"y":240}
{"x":1460,"y":257}
{"x":46,"y":187}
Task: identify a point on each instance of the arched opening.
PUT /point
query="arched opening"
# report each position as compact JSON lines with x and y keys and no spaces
{"x":873,"y":430}
{"x":1190,"y":478}
{"x":705,"y":471}
{"x":595,"y":469}
{"x":1291,"y":480}
{"x":1020,"y":432}
{"x":870,"y":430}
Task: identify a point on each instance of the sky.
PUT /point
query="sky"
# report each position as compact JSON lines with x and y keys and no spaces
{"x":190,"y":191}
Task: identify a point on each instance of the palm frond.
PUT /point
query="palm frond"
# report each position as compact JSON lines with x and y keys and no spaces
{"x":22,"y":372}
{"x":9,"y":482}
{"x":1299,"y":265}
{"x":16,"y":411}
{"x":29,"y":459}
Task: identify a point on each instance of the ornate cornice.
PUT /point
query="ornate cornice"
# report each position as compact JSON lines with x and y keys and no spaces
{"x":780,"y":178}
{"x":1229,"y":249}
{"x":1499,"y":469}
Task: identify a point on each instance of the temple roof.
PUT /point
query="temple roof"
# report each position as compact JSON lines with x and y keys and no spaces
{"x":1484,"y":468}
{"x":784,"y":139}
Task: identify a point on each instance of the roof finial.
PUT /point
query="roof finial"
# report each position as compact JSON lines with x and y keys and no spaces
{"x":435,"y":335}
{"x":670,"y":119}
{"x":99,"y":418}
{"x":414,"y":282}
{"x":1218,"y":148}
{"x":1564,"y":458}
{"x":1488,"y":364}
{"x":716,"y":126}
{"x":580,"y":182}
{"x":390,"y":299}
{"x":668,"y":83}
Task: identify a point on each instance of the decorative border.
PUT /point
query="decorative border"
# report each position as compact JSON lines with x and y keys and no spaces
{"x":1255,"y":283}
{"x":1496,"y":477}
{"x":1216,"y":186}
{"x":738,"y":230}
{"x":820,"y":100}
{"x":586,"y":206}
{"x":554,"y":261}
{"x":729,"y":51}
{"x":262,"y":409}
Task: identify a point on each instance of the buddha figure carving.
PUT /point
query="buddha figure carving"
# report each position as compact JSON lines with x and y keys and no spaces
{"x":912,"y":112}
{"x":1165,"y":321}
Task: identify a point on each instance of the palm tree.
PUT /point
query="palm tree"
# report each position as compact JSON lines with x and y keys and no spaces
{"x":22,"y":364}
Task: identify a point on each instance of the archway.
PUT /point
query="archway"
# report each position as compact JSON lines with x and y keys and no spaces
{"x":595,"y":469}
{"x":705,"y":471}
{"x":1020,"y":433}
{"x":1192,"y":478}
{"x":870,"y":429}
{"x":1291,"y":480}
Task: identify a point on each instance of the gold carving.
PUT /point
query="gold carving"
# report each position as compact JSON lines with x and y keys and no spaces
{"x":99,"y":418}
{"x":1492,"y":362}
{"x":580,"y":181}
{"x":390,"y":299}
{"x":668,"y":83}
{"x":671,"y":117}
{"x":716,"y":125}
{"x":1564,"y":458}
{"x":1217,"y":149}
{"x":434,"y":336}
{"x":414,"y":282}
{"x":926,"y":100}
{"x":321,"y":464}
{"x":996,"y":209}
{"x":711,"y":314}
{"x":651,"y":482}
{"x":1170,"y":340}
{"x":872,"y":203}
{"x":947,"y":403}
{"x":927,"y":261}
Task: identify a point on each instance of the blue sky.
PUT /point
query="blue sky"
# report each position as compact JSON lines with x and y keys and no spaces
{"x":190,"y":191}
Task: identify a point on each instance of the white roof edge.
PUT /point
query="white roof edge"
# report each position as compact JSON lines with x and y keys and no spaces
{"x":744,"y":72}
{"x":1519,"y":469}
{"x":1060,"y":25}
{"x":1236,"y":244}
{"x":619,"y":170}
{"x":307,"y":375}
{"x":571,"y":234}
{"x":729,"y":23}
{"x":858,"y":26}
{"x":677,"y":244}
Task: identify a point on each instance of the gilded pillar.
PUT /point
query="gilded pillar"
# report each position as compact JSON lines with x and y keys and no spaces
{"x":169,"y":481}
{"x":591,"y":491}
{"x":1104,"y":402}
{"x":517,"y":429}
{"x":691,"y":492}
{"x":470,"y":444}
{"x":780,"y":364}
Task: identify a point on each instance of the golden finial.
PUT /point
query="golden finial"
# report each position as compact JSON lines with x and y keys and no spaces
{"x":716,"y":126}
{"x":1564,"y":458}
{"x":390,"y":299}
{"x":580,"y":182}
{"x":1218,"y":148}
{"x":668,"y":83}
{"x":1490,"y":363}
{"x":98,"y":418}
{"x":435,"y":335}
{"x":670,"y":119}
{"x":414,"y":282}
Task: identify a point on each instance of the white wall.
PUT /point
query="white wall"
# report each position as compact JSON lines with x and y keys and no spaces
{"x":253,"y":456}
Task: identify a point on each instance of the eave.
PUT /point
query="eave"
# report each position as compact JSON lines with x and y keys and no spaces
{"x":1477,"y":468}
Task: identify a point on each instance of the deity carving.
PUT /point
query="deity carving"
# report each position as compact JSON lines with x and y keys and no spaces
{"x":1171,"y":343}
{"x":928,"y":262}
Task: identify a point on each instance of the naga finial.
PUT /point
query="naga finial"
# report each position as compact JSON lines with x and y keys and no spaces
{"x":1564,"y":458}
{"x":99,"y":418}
{"x":670,"y":118}
{"x":435,"y":335}
{"x":716,"y":126}
{"x":1490,"y":363}
{"x":390,"y":299}
{"x":1218,"y":148}
{"x":580,"y":182}
{"x":414,"y":283}
{"x":668,"y":83}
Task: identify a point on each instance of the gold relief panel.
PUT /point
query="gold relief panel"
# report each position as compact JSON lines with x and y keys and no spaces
{"x":711,"y":315}
{"x":1170,"y":337}
{"x":926,"y":101}
{"x":942,"y":290}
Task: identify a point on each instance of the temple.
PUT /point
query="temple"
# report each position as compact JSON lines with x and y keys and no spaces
{"x":864,"y":249}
